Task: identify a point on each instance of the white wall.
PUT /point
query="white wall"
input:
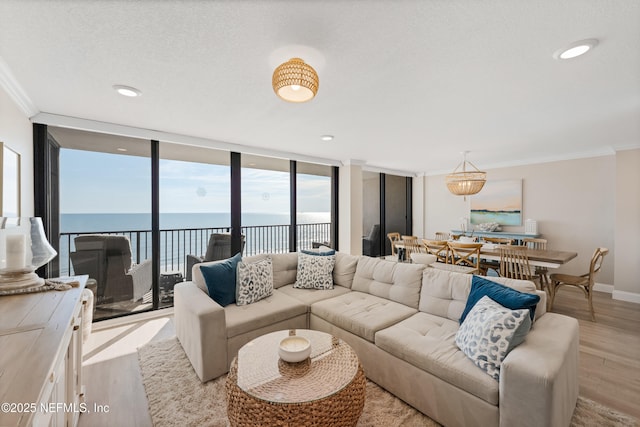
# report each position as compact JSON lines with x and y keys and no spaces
{"x":350,"y":209}
{"x":17,"y":133}
{"x":627,"y":229}
{"x":573,"y":202}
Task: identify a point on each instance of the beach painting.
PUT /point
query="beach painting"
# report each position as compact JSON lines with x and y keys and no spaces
{"x":499,"y":201}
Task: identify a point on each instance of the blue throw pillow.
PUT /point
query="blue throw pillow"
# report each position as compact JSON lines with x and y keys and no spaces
{"x":220,"y":278}
{"x":320,"y":252}
{"x":503,"y":295}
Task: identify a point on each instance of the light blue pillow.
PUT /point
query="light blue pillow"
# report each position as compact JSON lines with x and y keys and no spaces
{"x":501,"y":294}
{"x":319,"y":252}
{"x":489,"y":332}
{"x":220,"y":278}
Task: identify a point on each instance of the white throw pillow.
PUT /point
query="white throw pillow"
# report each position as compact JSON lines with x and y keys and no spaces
{"x":254,"y":281}
{"x":315,"y":271}
{"x":489,"y":332}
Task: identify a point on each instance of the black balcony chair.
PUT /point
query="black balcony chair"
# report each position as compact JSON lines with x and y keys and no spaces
{"x":371,"y":243}
{"x":219,"y":247}
{"x":107,"y":259}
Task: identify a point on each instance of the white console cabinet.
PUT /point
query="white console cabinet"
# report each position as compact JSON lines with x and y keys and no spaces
{"x":41,"y":358}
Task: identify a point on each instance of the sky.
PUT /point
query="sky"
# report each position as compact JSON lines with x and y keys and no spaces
{"x":93,"y":182}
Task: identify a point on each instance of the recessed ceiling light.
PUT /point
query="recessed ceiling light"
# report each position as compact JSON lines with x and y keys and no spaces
{"x":326,"y":137}
{"x":127,"y":90}
{"x":576,"y":49}
{"x":121,"y":149}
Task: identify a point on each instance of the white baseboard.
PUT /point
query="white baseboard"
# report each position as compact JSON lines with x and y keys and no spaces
{"x":617,"y":295}
{"x":601,"y":287}
{"x":626,"y":296}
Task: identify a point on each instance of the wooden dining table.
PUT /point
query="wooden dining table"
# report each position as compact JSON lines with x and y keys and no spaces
{"x":540,"y":258}
{"x":549,"y":258}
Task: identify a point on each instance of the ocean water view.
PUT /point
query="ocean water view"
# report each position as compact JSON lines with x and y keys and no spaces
{"x":188,"y":233}
{"x":103,"y":222}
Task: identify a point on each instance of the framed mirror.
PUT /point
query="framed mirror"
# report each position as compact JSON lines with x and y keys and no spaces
{"x":9,"y":182}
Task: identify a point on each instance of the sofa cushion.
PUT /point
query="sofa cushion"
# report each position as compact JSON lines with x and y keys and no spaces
{"x":220,"y":278}
{"x":273,"y":309}
{"x":489,"y":332}
{"x":345,"y":269}
{"x":445,"y":293}
{"x":428,"y":342}
{"x":399,"y":282}
{"x":285,"y":268}
{"x":360,"y":313}
{"x":315,"y":270}
{"x":504,"y":295}
{"x":254,"y":282}
{"x":309,"y":296}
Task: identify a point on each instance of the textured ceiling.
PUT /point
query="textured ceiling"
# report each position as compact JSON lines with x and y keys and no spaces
{"x":404,"y":85}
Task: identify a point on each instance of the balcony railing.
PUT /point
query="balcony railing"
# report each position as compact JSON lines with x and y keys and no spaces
{"x":176,"y":244}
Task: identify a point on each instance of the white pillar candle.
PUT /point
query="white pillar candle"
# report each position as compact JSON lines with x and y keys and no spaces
{"x":16,"y":252}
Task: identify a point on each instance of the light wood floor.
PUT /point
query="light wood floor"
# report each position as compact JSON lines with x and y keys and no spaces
{"x":609,"y":360}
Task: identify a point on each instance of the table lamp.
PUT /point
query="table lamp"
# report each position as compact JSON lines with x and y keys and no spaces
{"x":23,"y":249}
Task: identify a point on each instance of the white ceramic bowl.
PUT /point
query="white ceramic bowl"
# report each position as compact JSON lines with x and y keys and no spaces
{"x":426,"y":259}
{"x":294,"y":349}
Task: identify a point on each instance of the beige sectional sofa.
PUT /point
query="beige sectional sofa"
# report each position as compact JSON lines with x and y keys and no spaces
{"x":401,"y":319}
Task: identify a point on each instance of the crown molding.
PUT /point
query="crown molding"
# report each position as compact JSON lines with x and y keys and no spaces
{"x":11,"y":86}
{"x":149,"y":134}
{"x":370,"y":168}
{"x":598,"y":152}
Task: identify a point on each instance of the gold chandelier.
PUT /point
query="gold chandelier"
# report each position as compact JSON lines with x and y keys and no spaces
{"x":295,"y":81}
{"x":466,"y":182}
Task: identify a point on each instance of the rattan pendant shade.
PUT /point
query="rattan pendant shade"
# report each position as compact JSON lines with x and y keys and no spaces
{"x":295,"y":81}
{"x":463,"y":182}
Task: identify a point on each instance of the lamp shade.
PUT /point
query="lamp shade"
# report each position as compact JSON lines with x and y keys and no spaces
{"x":295,"y":81}
{"x":463,"y":182}
{"x":23,"y":248}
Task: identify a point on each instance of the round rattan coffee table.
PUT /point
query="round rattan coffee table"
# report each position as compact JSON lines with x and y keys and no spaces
{"x":327,"y":389}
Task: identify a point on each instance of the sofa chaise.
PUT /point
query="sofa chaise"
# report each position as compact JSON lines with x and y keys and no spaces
{"x":401,"y":319}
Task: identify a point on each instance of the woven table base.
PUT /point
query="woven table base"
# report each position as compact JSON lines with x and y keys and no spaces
{"x":341,"y":409}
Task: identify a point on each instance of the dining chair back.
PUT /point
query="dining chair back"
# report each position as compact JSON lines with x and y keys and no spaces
{"x":514,"y":263}
{"x":537,"y":244}
{"x":439,"y":248}
{"x":442,"y":235}
{"x":393,"y":238}
{"x":541,"y":245}
{"x":466,"y":255}
{"x":584,"y":282}
{"x":412,"y":245}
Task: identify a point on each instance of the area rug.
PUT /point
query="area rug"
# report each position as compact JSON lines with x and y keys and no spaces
{"x":177,"y":397}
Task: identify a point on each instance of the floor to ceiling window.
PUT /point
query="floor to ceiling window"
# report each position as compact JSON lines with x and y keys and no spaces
{"x":313,"y":205}
{"x":195,"y":200}
{"x":135,"y":215}
{"x":105,"y":217}
{"x":265,"y":204}
{"x":386,"y":209}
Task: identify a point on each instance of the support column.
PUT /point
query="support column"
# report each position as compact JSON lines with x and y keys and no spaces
{"x":350,"y":213}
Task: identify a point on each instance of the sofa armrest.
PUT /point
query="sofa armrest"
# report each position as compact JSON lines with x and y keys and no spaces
{"x":539,"y":378}
{"x":201,"y":329}
{"x":191,"y":261}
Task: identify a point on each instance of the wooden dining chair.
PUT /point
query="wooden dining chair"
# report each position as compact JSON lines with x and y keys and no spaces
{"x":442,"y":235}
{"x":412,"y":245}
{"x":584,"y":282}
{"x":514,"y":264}
{"x":465,"y":255}
{"x":439,"y":248}
{"x":541,"y":245}
{"x":393,"y":238}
